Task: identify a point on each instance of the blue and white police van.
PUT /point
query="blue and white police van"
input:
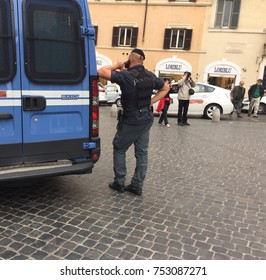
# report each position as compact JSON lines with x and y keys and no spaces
{"x":49,"y":109}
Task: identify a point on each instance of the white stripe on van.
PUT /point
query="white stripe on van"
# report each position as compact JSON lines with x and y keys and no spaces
{"x":49,"y":102}
{"x":46,"y":93}
{"x":53,"y":98}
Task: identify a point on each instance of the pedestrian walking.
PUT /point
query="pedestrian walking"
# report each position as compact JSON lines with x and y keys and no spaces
{"x":185,"y":91}
{"x":164,"y":104}
{"x":255,"y":93}
{"x":135,"y":119}
{"x":237,"y":96}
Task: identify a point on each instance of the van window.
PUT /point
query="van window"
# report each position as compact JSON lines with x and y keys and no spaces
{"x":7,"y":52}
{"x":54,"y":48}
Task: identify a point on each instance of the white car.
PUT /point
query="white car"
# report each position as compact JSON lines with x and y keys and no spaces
{"x":110,"y":94}
{"x":101,"y":90}
{"x":113,"y":94}
{"x":205,"y":99}
{"x":262,"y":107}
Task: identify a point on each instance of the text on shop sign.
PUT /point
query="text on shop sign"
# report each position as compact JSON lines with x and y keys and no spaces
{"x":99,"y":62}
{"x":222,"y":70}
{"x":173,"y":66}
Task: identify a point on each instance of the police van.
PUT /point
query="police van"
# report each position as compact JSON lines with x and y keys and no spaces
{"x":49,"y":109}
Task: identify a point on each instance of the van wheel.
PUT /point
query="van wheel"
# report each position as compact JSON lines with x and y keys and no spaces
{"x":209,"y":110}
{"x":262,"y":108}
{"x":118,"y":102}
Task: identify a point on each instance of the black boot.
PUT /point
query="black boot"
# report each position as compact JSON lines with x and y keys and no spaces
{"x":117,"y":187}
{"x":134,"y":189}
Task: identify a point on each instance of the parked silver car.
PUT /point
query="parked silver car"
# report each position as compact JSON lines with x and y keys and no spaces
{"x":101,"y":90}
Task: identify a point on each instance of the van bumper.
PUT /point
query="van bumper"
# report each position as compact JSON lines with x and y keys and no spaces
{"x":27,"y":171}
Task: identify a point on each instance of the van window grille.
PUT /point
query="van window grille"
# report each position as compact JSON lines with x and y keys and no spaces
{"x":54,"y":47}
{"x":7,"y":50}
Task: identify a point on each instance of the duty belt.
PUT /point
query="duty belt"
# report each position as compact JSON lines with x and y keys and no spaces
{"x":137,"y":110}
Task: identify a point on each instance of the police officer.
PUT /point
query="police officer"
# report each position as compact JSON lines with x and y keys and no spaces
{"x":136,"y":118}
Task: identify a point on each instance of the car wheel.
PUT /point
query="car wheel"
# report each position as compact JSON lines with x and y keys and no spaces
{"x":262,"y":108}
{"x":118,"y":102}
{"x":209,"y":110}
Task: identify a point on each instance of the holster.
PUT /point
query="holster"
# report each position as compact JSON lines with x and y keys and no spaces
{"x":120,"y":118}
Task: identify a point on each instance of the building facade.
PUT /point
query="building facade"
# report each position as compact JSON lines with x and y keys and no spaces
{"x":234,"y":38}
{"x":219,"y":41}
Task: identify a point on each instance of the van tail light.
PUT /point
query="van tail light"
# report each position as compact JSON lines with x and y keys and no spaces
{"x":94,"y":108}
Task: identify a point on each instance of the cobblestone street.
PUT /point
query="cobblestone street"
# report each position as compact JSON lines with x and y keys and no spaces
{"x":204,"y":198}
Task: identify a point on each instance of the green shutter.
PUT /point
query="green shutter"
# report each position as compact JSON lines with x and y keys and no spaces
{"x":219,"y":14}
{"x":235,"y":14}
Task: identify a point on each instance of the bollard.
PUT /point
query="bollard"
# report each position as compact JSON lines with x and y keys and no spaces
{"x":113,"y":112}
{"x":216,"y":114}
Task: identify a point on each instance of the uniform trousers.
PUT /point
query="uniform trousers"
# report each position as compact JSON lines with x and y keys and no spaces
{"x":126,"y":135}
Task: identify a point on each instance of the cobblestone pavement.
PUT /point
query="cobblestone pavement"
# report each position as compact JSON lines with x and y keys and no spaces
{"x":204,"y":198}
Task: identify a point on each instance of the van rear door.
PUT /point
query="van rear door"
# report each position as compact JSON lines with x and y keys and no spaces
{"x":10,"y":94}
{"x":55,"y":95}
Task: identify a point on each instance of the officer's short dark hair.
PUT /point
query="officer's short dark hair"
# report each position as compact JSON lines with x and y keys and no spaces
{"x":140,"y":52}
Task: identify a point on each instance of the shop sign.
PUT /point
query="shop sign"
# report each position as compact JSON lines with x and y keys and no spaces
{"x":172,"y":65}
{"x":102,"y":60}
{"x":176,"y":67}
{"x":99,"y":62}
{"x":223,"y":70}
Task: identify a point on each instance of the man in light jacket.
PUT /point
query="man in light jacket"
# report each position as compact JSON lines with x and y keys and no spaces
{"x":185,"y":84}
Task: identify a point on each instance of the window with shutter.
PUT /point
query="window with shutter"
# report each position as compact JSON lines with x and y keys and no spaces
{"x":227,"y":13}
{"x":177,"y":38}
{"x":235,"y":14}
{"x":125,"y":36}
